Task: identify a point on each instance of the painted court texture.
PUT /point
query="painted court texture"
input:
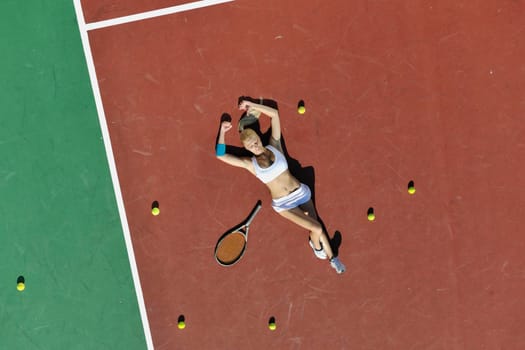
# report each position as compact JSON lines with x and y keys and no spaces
{"x":429,"y":91}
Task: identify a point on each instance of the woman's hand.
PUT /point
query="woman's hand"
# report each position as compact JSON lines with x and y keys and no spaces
{"x":245,"y":105}
{"x":225,"y":126}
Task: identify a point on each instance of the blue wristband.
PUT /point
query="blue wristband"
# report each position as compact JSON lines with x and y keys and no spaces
{"x":220,"y":149}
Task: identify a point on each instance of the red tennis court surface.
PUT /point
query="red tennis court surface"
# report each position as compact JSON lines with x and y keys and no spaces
{"x":430,"y":91}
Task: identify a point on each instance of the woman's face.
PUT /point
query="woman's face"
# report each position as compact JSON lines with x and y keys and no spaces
{"x":254,"y":145}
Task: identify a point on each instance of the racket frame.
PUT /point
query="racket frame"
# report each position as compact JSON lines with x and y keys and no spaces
{"x":242,"y":228}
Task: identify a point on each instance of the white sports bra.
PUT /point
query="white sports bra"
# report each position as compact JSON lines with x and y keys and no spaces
{"x":277,"y":168}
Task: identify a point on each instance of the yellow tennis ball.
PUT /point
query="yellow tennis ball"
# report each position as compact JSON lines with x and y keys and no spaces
{"x":411,"y":190}
{"x":301,"y":110}
{"x":181,"y":325}
{"x":21,"y":286}
{"x":272,"y":326}
{"x":155,"y":211}
{"x":371,"y":217}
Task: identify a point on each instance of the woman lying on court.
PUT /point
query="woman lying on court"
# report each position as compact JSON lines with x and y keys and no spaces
{"x":290,"y":198}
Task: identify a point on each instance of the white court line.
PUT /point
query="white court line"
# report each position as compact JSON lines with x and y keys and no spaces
{"x":154,"y":13}
{"x":84,"y":28}
{"x":113,"y":171}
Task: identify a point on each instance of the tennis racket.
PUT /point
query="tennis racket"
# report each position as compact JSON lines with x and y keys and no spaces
{"x":231,"y":246}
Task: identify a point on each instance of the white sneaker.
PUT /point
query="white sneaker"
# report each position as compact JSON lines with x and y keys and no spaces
{"x":320,"y":254}
{"x":337,"y":265}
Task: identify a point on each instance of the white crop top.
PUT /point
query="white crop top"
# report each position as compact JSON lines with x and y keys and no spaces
{"x":277,"y":168}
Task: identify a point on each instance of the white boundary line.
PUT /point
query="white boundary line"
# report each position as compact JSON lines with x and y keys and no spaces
{"x":113,"y":170}
{"x":84,"y":28}
{"x":154,"y":13}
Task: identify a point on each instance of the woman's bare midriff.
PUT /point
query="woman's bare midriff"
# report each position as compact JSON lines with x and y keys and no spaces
{"x":283,"y":185}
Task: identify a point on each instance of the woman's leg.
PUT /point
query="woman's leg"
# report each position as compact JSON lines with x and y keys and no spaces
{"x":309,"y":222}
{"x":309,"y":209}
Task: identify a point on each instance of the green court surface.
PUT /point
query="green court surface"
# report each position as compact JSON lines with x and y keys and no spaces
{"x":60,"y":224}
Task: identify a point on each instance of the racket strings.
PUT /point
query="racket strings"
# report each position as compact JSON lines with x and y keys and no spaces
{"x":231,"y":247}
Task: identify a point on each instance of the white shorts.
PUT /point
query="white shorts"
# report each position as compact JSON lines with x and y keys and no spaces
{"x":292,"y":200}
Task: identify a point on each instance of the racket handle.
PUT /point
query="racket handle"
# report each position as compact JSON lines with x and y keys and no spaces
{"x":254,"y":212}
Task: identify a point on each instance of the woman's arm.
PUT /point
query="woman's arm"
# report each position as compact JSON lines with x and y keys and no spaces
{"x":221,"y":150}
{"x":270,"y":112}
